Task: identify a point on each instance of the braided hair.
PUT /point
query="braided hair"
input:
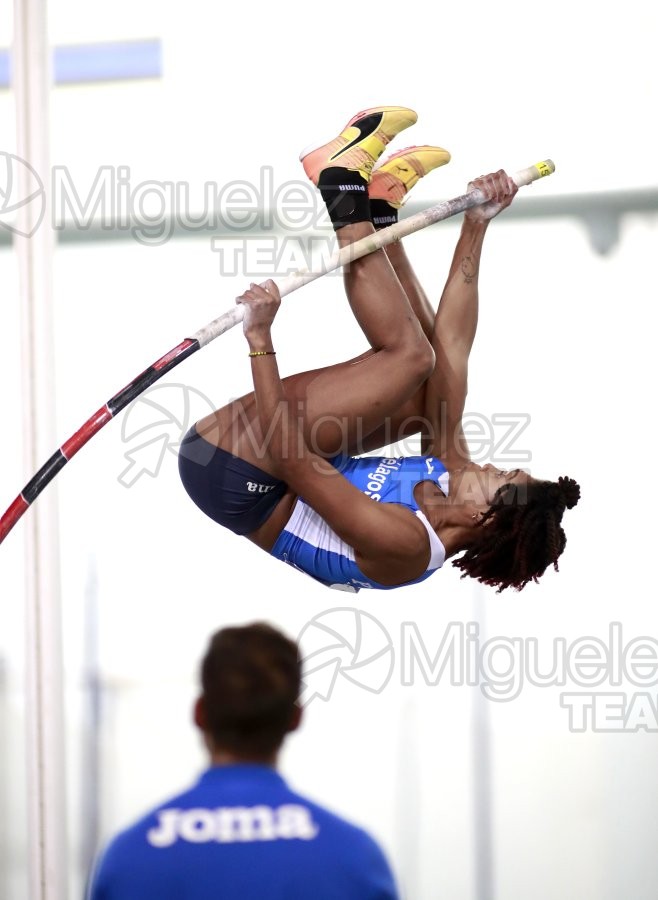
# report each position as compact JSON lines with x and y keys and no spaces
{"x":520,"y":535}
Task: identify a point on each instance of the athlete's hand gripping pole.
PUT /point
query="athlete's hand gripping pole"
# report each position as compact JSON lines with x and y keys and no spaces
{"x":218,"y":326}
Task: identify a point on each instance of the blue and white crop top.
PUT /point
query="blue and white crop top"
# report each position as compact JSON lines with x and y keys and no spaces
{"x":309,"y":544}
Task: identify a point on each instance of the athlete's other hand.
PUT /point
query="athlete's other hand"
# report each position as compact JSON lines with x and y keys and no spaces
{"x":500,"y":190}
{"x":261,"y":304}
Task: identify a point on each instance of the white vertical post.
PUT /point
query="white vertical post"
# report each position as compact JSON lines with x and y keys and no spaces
{"x":408,"y":799}
{"x":482,"y":775}
{"x":31,"y":80}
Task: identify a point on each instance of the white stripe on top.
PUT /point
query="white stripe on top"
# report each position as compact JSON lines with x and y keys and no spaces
{"x":307,"y":525}
{"x":437,"y":550}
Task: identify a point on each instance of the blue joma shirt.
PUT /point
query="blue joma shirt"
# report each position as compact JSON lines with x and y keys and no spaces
{"x":241,"y":834}
{"x":309,"y":544}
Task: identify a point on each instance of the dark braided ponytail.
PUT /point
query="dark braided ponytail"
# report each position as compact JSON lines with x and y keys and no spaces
{"x":520,"y":535}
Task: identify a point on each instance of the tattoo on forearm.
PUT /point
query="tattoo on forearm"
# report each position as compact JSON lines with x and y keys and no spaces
{"x":469,"y":269}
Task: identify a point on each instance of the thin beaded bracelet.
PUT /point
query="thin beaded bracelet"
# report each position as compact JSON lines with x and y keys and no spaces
{"x":262,"y":353}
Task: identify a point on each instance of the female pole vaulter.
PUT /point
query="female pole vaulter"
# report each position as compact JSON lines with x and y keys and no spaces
{"x":279,"y":465}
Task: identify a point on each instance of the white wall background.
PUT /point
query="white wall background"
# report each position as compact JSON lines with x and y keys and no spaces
{"x":572,"y":814}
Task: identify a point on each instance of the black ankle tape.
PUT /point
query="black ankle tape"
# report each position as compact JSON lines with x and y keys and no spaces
{"x":382,"y":214}
{"x":346,"y":195}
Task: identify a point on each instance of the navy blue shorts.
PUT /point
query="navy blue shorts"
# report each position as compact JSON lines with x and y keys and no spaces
{"x":232,"y":492}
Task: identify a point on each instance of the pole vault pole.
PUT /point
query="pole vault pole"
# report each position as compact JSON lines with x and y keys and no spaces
{"x":223,"y":323}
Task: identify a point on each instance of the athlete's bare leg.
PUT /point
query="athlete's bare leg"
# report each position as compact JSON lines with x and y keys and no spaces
{"x":339,"y":406}
{"x":412,"y":287}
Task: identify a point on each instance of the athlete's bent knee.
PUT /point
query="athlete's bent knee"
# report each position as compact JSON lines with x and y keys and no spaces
{"x":419,"y":360}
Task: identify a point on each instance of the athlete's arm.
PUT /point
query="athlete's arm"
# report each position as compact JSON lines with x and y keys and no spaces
{"x":455,"y":326}
{"x":374,"y":530}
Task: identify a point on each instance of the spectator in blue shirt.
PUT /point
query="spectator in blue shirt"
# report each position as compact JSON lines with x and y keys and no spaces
{"x":240,"y":833}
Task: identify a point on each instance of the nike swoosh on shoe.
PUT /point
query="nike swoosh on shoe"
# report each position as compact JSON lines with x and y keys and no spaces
{"x":361,"y":135}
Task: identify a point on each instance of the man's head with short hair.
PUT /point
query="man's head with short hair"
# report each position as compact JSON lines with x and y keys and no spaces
{"x":250,"y":680}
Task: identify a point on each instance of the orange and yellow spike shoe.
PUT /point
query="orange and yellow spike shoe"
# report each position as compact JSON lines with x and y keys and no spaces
{"x":360,"y":143}
{"x":394,"y":177}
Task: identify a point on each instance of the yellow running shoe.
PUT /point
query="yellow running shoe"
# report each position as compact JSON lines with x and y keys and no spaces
{"x":394,"y":177}
{"x":360,"y":143}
